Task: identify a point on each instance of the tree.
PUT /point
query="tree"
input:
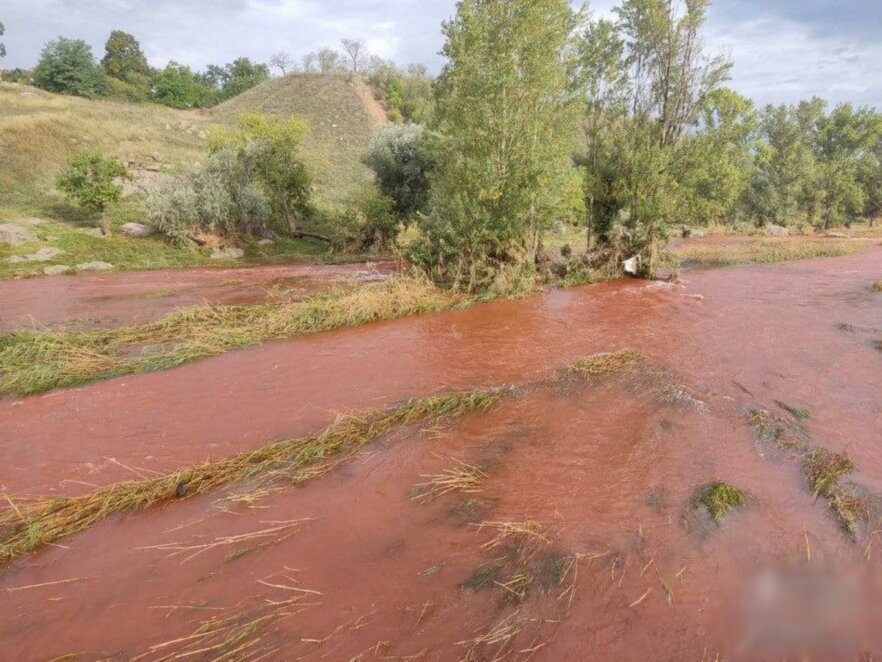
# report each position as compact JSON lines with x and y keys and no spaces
{"x":309,"y":63}
{"x":282,"y":61}
{"x":355,"y":51}
{"x":2,"y":45}
{"x":402,"y":159}
{"x":88,"y":180}
{"x":177,"y":86}
{"x":272,"y":145}
{"x":648,"y":80}
{"x":327,"y":60}
{"x":718,"y":166}
{"x":67,"y":66}
{"x":508,"y":126}
{"x":242,"y":74}
{"x":123,"y":57}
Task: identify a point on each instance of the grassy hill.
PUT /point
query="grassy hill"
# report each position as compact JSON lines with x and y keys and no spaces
{"x":39,"y":131}
{"x":343,"y":117}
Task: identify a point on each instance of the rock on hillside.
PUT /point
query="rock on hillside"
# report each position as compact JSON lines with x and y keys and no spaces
{"x":15,"y":235}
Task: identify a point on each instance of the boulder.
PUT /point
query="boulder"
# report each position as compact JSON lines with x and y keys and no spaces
{"x":631,"y":266}
{"x":43,"y":255}
{"x":835,"y":235}
{"x":777,"y":231}
{"x":95,"y":266}
{"x":15,"y":235}
{"x":56,"y":270}
{"x":227,"y":254}
{"x":136,"y":230}
{"x":265,"y":242}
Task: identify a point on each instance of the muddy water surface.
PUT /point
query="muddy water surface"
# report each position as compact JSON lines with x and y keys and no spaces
{"x":355,"y":566}
{"x":88,"y":301}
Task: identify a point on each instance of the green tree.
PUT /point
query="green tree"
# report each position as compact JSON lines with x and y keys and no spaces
{"x":241,"y":75}
{"x":273,"y":145}
{"x":402,"y":159}
{"x":178,"y":86}
{"x":67,"y":66}
{"x":845,"y":145}
{"x":123,"y":57}
{"x":89,"y":180}
{"x":508,"y":126}
{"x":2,"y":45}
{"x":718,"y":167}
{"x":639,"y":152}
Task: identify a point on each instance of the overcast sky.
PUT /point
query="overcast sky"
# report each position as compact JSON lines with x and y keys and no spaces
{"x":784,"y":50}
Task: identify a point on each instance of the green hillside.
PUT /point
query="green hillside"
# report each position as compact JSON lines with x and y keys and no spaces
{"x":342,"y":116}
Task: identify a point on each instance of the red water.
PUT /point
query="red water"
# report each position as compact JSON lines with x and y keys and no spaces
{"x":606,"y":471}
{"x":111,"y":299}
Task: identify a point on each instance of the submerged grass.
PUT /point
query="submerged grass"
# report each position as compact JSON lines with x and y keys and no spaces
{"x":823,"y":470}
{"x":719,"y":499}
{"x":33,"y":362}
{"x":606,"y":364}
{"x":850,"y":509}
{"x":30,"y":525}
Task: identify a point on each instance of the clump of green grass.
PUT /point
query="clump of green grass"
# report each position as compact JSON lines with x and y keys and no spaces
{"x":719,"y":499}
{"x":606,"y":364}
{"x":37,"y":361}
{"x":823,"y":470}
{"x":29,"y":525}
{"x":800,"y":414}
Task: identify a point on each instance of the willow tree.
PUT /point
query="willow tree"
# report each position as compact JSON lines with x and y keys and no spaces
{"x":649,"y":78}
{"x":507,"y":124}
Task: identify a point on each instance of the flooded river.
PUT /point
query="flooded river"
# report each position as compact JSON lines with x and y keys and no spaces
{"x":576,"y":544}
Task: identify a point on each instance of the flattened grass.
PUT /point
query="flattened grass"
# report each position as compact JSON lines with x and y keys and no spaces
{"x":38,"y":361}
{"x":30,"y":525}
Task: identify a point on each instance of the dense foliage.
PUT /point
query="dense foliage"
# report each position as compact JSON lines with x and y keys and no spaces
{"x":402,"y":159}
{"x":253,"y":182}
{"x":90,"y":180}
{"x":507,"y":126}
{"x":67,"y":66}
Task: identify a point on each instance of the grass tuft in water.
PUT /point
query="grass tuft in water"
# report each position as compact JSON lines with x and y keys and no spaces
{"x":850,"y":509}
{"x":823,"y":470}
{"x":798,"y":413}
{"x":719,"y":499}
{"x":876,"y":287}
{"x":483,"y":577}
{"x":606,"y":364}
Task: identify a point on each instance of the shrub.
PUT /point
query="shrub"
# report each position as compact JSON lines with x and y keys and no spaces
{"x":367,"y":223}
{"x":89,"y":180}
{"x":402,"y":159}
{"x":219,"y":197}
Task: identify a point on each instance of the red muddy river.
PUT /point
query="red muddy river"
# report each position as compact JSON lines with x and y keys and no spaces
{"x":99,"y":300}
{"x":349,"y":566}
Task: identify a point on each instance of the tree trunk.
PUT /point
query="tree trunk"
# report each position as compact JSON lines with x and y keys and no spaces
{"x":105,"y":225}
